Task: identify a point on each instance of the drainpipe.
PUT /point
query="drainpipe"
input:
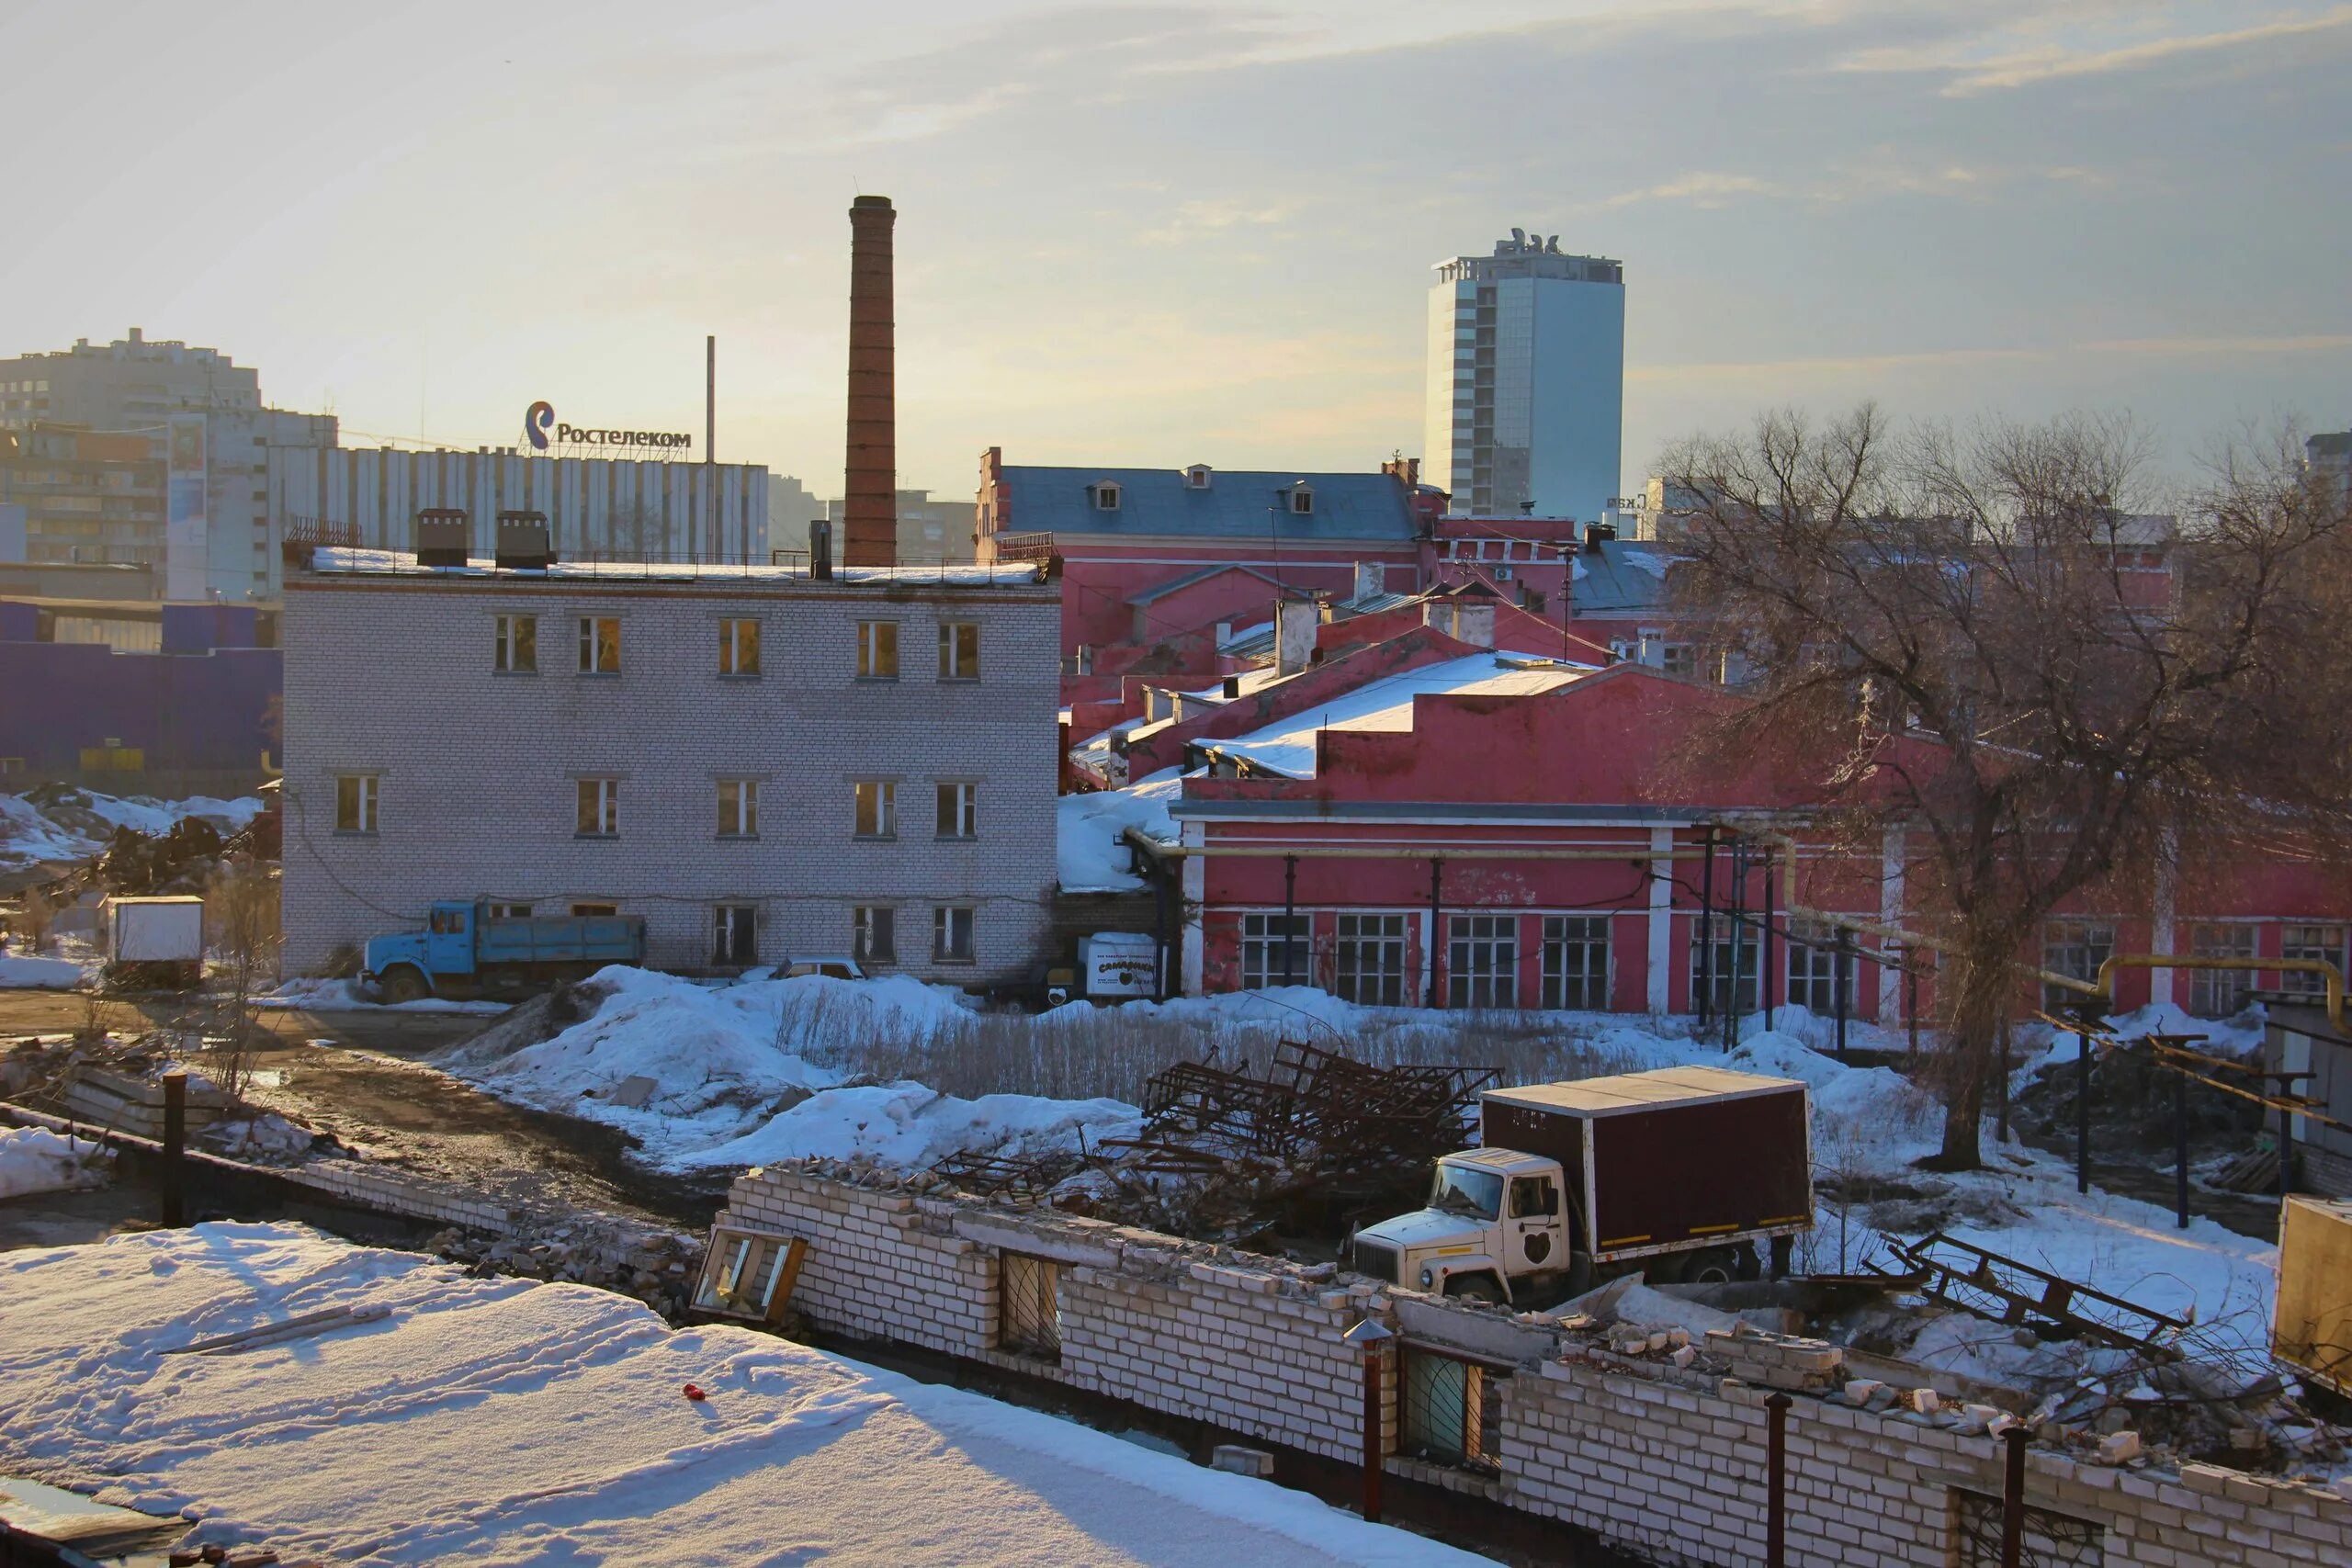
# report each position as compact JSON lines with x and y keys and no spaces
{"x":1437,"y":874}
{"x":1703,"y":1005}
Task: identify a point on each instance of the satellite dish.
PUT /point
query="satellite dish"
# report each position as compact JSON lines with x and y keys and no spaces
{"x":1519,"y":236}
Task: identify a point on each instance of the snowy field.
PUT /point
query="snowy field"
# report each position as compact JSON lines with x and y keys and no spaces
{"x":493,"y":1422}
{"x":755,"y":1073}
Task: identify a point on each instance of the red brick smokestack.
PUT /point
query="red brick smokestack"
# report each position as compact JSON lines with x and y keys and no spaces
{"x":869,"y":490}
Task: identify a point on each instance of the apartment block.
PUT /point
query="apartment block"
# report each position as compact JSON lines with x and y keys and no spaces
{"x":762,"y":762}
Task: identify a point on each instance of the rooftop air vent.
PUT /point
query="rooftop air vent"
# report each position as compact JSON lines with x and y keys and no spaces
{"x":522,"y":542}
{"x":443,"y":533}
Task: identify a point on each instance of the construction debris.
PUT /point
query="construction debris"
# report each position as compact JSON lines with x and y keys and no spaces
{"x":2001,"y":1290}
{"x":1222,"y":1151}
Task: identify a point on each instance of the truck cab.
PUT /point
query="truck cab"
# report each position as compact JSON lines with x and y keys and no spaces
{"x":1495,"y":1219}
{"x":409,"y":965}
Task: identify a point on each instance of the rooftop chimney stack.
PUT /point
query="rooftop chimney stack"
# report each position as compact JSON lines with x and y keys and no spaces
{"x":869,"y":490}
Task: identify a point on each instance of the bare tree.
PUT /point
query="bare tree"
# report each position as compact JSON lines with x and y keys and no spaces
{"x":1989,"y":639}
{"x":241,"y":908}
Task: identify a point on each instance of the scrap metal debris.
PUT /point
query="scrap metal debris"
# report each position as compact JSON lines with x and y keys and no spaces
{"x":2001,"y":1290}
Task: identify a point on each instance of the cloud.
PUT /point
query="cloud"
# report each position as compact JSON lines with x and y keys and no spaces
{"x":1195,"y":219}
{"x":1981,"y":64}
{"x":1702,"y":189}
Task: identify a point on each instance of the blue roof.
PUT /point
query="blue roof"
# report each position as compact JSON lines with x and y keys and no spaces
{"x":1236,"y":504}
{"x":1623,"y":575}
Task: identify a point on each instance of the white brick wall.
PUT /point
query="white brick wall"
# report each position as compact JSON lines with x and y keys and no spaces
{"x":1660,"y":1460}
{"x":393,"y":676}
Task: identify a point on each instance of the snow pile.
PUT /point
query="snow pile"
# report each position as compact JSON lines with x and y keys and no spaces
{"x":545,"y":1423}
{"x":1091,"y":857}
{"x":265,"y":1139}
{"x":55,"y":824}
{"x":34,"y":1159}
{"x":723,"y":1059}
{"x":18,"y":973}
{"x":344,"y":996}
{"x":907,"y":1125}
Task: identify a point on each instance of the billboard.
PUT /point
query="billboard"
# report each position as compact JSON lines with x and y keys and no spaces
{"x":186,"y":544}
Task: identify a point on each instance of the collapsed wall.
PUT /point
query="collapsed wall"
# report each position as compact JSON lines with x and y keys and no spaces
{"x":1656,"y":1448}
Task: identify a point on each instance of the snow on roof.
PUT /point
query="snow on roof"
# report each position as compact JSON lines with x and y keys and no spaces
{"x":341,"y":560}
{"x":1641,"y":1091}
{"x":501,"y":1422}
{"x":1287,"y":746}
{"x":1091,"y":859}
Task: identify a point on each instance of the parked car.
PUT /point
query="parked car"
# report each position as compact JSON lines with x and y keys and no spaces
{"x":830,"y":968}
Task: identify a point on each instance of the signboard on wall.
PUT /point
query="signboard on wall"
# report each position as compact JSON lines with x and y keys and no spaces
{"x":187,"y":541}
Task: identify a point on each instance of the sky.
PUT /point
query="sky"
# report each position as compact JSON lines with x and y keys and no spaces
{"x":1162,"y":233}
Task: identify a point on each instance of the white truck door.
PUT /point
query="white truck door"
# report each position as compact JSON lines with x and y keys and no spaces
{"x":1535,"y":1230}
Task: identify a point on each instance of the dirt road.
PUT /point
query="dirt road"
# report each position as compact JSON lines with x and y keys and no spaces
{"x":358,"y":1074}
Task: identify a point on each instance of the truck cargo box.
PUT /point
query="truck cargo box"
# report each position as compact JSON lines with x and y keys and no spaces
{"x":1667,"y":1157}
{"x":156,"y":931}
{"x":561,"y":938}
{"x":2311,"y":1327}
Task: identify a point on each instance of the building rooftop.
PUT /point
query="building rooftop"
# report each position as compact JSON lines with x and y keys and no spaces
{"x":1617,"y":577}
{"x":1287,"y":746}
{"x":348,"y":562}
{"x":1235,"y":504}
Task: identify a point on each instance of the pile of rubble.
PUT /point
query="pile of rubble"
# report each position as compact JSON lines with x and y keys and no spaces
{"x":656,"y":1267}
{"x":1229,"y":1155}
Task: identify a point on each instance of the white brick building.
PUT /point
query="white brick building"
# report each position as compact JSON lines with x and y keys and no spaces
{"x":762,"y":764}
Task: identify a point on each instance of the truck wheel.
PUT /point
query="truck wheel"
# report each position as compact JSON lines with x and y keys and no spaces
{"x":1711,"y":1265}
{"x":402,"y":985}
{"x":1474,"y":1287}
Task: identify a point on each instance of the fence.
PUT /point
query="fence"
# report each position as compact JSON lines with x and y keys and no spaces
{"x":1661,"y":1452}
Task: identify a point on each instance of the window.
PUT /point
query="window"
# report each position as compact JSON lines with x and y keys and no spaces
{"x":1576,"y":962}
{"x":959,"y":810}
{"x":1106,"y":497}
{"x":1369,"y":952}
{"x":2075,"y":948}
{"x":1446,"y":1409}
{"x":1533,"y":1197}
{"x":959,"y":651}
{"x":355,"y":803}
{"x":1728,"y":996}
{"x":1814,"y":962}
{"x":1481,"y":961}
{"x":1679,"y":659}
{"x":739,"y":648}
{"x":1302,"y":500}
{"x":594,"y":912}
{"x":1197,"y":476}
{"x":875,"y":931}
{"x":951,"y":933}
{"x":877,"y":809}
{"x":1029,"y":1317}
{"x":510,"y":911}
{"x":745,"y":1271}
{"x":600,"y":808}
{"x":1267,"y":959}
{"x":600,"y":645}
{"x":518,"y":652}
{"x":738,"y":809}
{"x":878,"y":650}
{"x":2325,"y":943}
{"x":2220,"y":993}
{"x":734,"y":934}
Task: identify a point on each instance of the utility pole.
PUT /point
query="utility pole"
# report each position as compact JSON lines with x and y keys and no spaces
{"x":710,"y":441}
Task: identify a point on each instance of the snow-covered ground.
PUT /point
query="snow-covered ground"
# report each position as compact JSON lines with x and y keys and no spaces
{"x":494,"y":1422}
{"x":313,"y":995}
{"x":1091,"y":858}
{"x":22,"y":972}
{"x":79,"y":822}
{"x":744,"y":1073}
{"x":34,"y":1159}
{"x":750,"y":1074}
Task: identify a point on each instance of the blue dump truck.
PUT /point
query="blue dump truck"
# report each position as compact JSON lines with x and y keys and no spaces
{"x":463,"y":951}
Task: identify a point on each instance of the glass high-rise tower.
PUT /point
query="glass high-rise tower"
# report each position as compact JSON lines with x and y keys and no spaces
{"x":1526,"y":380}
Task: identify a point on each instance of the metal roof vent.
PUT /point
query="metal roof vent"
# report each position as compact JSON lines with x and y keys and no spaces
{"x":522,"y":542}
{"x":443,"y":533}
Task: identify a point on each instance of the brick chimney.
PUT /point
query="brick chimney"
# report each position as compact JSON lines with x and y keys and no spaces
{"x":869,"y":488}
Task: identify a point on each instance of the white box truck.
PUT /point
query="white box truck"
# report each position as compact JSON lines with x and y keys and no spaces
{"x":155,"y":942}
